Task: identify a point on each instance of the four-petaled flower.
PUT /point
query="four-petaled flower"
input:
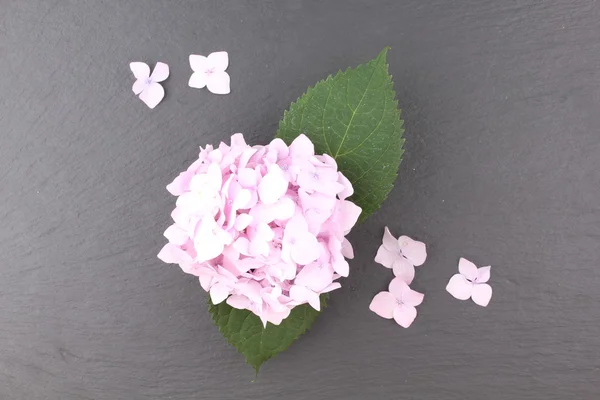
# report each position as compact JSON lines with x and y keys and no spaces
{"x":402,"y":255}
{"x":147,"y":86}
{"x":210,"y":72}
{"x":471,"y":283}
{"x":399,"y":303}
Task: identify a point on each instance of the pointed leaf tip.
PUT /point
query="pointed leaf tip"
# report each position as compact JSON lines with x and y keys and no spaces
{"x":383,"y":53}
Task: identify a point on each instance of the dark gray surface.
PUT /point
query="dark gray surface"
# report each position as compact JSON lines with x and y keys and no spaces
{"x":502,"y":108}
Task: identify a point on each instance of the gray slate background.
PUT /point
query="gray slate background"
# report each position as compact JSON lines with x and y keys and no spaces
{"x":502,"y":107}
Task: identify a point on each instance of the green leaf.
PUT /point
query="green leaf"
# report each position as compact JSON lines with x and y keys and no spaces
{"x":354,"y":117}
{"x":246,"y":333}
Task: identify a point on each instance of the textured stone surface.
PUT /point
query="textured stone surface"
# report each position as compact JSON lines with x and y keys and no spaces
{"x":501,"y":101}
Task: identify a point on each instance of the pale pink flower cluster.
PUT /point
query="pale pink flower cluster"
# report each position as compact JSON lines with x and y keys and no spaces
{"x":263,"y":227}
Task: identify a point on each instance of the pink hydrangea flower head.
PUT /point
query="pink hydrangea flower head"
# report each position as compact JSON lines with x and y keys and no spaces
{"x":262,"y":227}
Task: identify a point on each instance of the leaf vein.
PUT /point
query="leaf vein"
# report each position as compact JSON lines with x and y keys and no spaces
{"x":372,"y":132}
{"x":354,"y":112}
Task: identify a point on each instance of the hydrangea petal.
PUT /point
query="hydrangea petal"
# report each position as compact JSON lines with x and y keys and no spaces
{"x":350,"y":213}
{"x":242,"y":245}
{"x":138,"y":86}
{"x":306,"y":249}
{"x":242,"y":221}
{"x":176,"y":235}
{"x":467,"y":269}
{"x":302,"y":147}
{"x":283,"y":209}
{"x":482,"y":294}
{"x":181,"y":184}
{"x":386,"y":257}
{"x":398,"y":287}
{"x":347,"y":250}
{"x":198,"y":80}
{"x":152,"y":94}
{"x":218,"y":293}
{"x":341,"y":267}
{"x":218,"y":83}
{"x":459,"y":287}
{"x":305,"y":295}
{"x":412,"y":298}
{"x":247,"y":177}
{"x":383,"y":304}
{"x":238,"y":141}
{"x":404,"y":315}
{"x":208,"y":242}
{"x":276,"y":317}
{"x":160,"y":72}
{"x":242,"y":199}
{"x":331,"y":287}
{"x":239,"y":302}
{"x":348,"y":189}
{"x":483,"y":274}
{"x":272,"y":186}
{"x":315,"y":276}
{"x":413,"y":250}
{"x":250,"y":289}
{"x":314,"y":180}
{"x":317,"y":201}
{"x":390,"y":242}
{"x":280,"y":148}
{"x":339,"y":264}
{"x":404,"y":270}
{"x":219,"y":60}
{"x":172,"y":254}
{"x":198,"y":63}
{"x":180,"y":217}
{"x":258,"y":248}
{"x":264,"y":232}
{"x":205,"y":280}
{"x":140,"y":70}
{"x":246,"y":156}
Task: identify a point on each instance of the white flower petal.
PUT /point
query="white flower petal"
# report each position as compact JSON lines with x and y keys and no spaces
{"x":467,"y":269}
{"x":459,"y":287}
{"x":139,"y":86}
{"x":483,"y":274}
{"x":218,"y":83}
{"x":152,"y":95}
{"x":482,"y":294}
{"x":218,"y":293}
{"x":140,"y":70}
{"x":272,"y":186}
{"x":219,"y":60}
{"x":198,"y":63}
{"x":390,"y":242}
{"x":197,"y":80}
{"x":160,"y":73}
{"x":176,"y":235}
